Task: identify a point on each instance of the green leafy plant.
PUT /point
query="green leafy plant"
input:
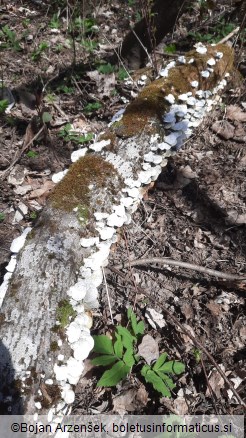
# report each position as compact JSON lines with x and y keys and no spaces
{"x":171,"y":48}
{"x":36,"y":54}
{"x":10,"y":39}
{"x":122,"y":74}
{"x":89,"y":45}
{"x":54,"y":22}
{"x":2,"y":217}
{"x":3,"y":105}
{"x":33,"y":214}
{"x":46,"y":117}
{"x":91,"y":107}
{"x":219,"y":31}
{"x":68,"y":134}
{"x":32,"y":154}
{"x":121,"y":353}
{"x":65,"y":89}
{"x":106,"y":69}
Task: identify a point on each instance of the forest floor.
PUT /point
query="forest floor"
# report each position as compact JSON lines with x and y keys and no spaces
{"x":194,"y":213}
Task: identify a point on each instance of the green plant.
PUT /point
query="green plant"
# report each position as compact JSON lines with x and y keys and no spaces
{"x":171,"y":48}
{"x":2,"y":217}
{"x":10,"y":38}
{"x":197,"y":355}
{"x":26,"y":22}
{"x":219,"y":31}
{"x":65,"y":89}
{"x":122,"y":74}
{"x":84,"y":24}
{"x":91,"y":107}
{"x":33,"y":214}
{"x":32,"y":154}
{"x":121,"y":353}
{"x":36,"y":54}
{"x":89,"y":45}
{"x":106,"y":69}
{"x":54,"y":22}
{"x":68,"y":134}
{"x":3,"y":105}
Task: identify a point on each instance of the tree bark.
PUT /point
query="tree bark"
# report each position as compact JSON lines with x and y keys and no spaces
{"x":148,"y":33}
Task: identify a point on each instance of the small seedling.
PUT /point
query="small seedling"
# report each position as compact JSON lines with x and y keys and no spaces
{"x":46,"y":117}
{"x":89,"y":45}
{"x":91,"y":107}
{"x":122,"y":74}
{"x":65,"y":89}
{"x":10,"y":38}
{"x":121,"y":353}
{"x":36,"y":54}
{"x":106,"y":69}
{"x":171,"y":48}
{"x":3,"y":105}
{"x":68,"y":134}
{"x":32,"y":154}
{"x":54,"y":22}
{"x":33,"y":214}
{"x":2,"y":217}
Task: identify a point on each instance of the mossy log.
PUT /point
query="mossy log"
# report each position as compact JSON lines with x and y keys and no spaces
{"x":61,"y":254}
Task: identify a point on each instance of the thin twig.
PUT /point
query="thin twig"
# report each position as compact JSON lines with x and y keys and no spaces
{"x":132,"y":275}
{"x":107,"y":292}
{"x":231,"y":34}
{"x":197,"y":343}
{"x":191,"y":266}
{"x":146,"y":51}
{"x":209,"y":386}
{"x":24,"y":148}
{"x":120,"y":61}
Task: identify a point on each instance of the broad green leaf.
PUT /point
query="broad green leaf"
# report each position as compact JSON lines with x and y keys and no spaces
{"x":172,"y":367}
{"x":132,"y":317}
{"x":160,"y":361}
{"x":111,"y":377}
{"x":104,"y":360}
{"x":128,"y":357}
{"x":46,"y":117}
{"x":166,"y":379}
{"x":157,"y":383}
{"x":140,"y":328}
{"x":145,"y":370}
{"x":103,"y":345}
{"x":118,"y":346}
{"x":127,"y":338}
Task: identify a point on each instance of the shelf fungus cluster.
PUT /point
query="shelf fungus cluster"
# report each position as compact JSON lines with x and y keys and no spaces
{"x":97,"y":195}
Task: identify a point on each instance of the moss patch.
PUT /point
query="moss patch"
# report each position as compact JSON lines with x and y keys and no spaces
{"x":147,"y":109}
{"x":73,"y":191}
{"x":64,"y":312}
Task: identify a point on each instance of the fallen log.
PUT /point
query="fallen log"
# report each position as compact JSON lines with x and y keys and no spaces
{"x":45,"y":318}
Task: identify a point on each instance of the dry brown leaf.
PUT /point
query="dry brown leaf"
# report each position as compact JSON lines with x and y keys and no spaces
{"x":180,"y":405}
{"x":44,"y":190}
{"x":148,"y":349}
{"x":234,"y":112}
{"x":224,"y":129}
{"x":216,"y":383}
{"x":130,"y":400}
{"x":214,"y":308}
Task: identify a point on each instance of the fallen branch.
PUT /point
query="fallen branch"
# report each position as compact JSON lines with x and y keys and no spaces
{"x":180,"y":264}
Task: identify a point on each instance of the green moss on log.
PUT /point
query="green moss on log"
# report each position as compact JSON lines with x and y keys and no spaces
{"x":73,"y":191}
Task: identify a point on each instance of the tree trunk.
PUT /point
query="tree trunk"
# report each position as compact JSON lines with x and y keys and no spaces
{"x":149,"y":32}
{"x":59,"y":269}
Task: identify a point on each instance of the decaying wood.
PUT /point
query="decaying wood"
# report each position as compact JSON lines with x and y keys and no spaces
{"x":51,"y":259}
